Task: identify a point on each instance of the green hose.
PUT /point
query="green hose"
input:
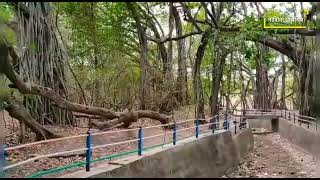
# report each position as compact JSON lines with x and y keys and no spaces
{"x":50,"y":171}
{"x":78,"y":164}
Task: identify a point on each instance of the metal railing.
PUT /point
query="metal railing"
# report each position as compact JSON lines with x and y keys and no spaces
{"x":213,"y":124}
{"x":303,"y":121}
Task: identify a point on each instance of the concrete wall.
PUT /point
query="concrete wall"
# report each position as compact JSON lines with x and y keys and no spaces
{"x":2,"y":128}
{"x":209,"y":156}
{"x":244,"y":142}
{"x":260,"y":123}
{"x":309,"y":140}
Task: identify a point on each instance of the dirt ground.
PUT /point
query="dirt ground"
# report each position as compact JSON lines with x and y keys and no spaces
{"x":275,"y":157}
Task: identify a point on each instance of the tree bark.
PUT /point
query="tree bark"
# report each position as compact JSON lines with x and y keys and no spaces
{"x":283,"y":84}
{"x":96,"y":86}
{"x":22,"y":132}
{"x":199,"y":100}
{"x":167,"y":65}
{"x":243,"y":93}
{"x":171,"y":27}
{"x":274,"y":88}
{"x":143,"y":54}
{"x":16,"y":110}
{"x":229,"y":82}
{"x":181,"y":87}
{"x":315,"y":104}
{"x":217,"y":73}
{"x":6,"y":68}
{"x":262,"y":98}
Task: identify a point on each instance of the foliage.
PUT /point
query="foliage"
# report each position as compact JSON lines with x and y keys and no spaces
{"x":6,"y":14}
{"x":5,"y":91}
{"x":103,"y":45}
{"x":251,"y":28}
{"x":103,"y":32}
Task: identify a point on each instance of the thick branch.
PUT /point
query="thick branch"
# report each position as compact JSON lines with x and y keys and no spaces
{"x":6,"y":68}
{"x":303,"y":32}
{"x":283,"y":48}
{"x":173,"y":38}
{"x":87,"y":116}
{"x":211,"y":15}
{"x":16,"y":110}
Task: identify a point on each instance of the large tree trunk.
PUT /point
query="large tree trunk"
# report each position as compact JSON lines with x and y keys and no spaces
{"x":243,"y":93}
{"x":181,"y":87}
{"x":274,"y":89}
{"x":167,"y":87}
{"x":199,"y":100}
{"x":167,"y":84}
{"x":143,"y":71}
{"x":96,"y":88}
{"x":229,"y":82}
{"x":143,"y":54}
{"x":262,"y":98}
{"x":295,"y":92}
{"x":307,"y":94}
{"x":315,"y":104}
{"x":283,"y":84}
{"x":217,"y":73}
{"x":305,"y":67}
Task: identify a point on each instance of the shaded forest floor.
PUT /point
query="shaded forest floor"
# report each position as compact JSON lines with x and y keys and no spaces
{"x":12,"y":131}
{"x":275,"y":157}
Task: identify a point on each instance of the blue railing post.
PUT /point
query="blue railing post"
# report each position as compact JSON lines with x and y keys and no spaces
{"x":226,"y":122}
{"x":140,"y":141}
{"x":197,"y":128}
{"x":285,"y":114}
{"x":217,"y":121}
{"x":88,"y":151}
{"x":2,"y":160}
{"x":174,"y":133}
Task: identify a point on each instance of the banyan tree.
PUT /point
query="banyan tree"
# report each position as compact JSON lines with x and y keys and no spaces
{"x":41,"y":59}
